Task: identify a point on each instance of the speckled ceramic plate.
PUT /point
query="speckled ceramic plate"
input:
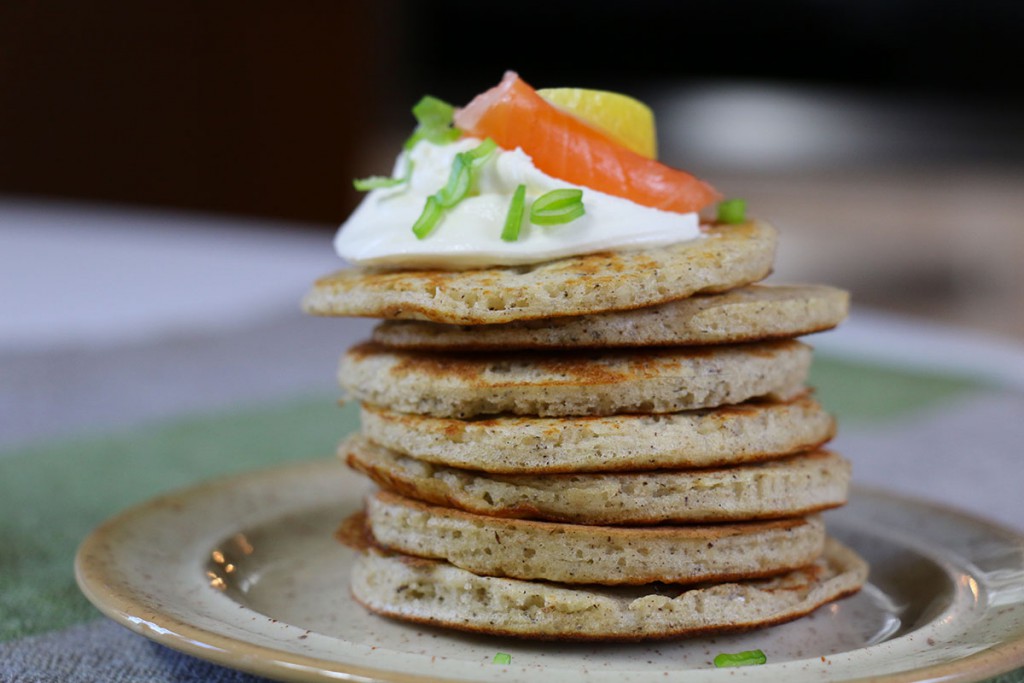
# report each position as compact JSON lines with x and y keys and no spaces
{"x":244,"y":572}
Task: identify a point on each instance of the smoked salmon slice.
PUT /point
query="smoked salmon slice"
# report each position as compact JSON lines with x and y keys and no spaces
{"x":565,"y":147}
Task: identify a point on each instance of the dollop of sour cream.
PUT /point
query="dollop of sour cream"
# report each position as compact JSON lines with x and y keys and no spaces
{"x":379,"y":231}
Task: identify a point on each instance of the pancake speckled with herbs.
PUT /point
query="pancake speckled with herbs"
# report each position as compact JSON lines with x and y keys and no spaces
{"x":578,"y":553}
{"x":754,"y":313}
{"x":788,"y":487}
{"x":594,"y":383}
{"x":729,"y":256}
{"x":438,"y":593}
{"x":747,"y":432}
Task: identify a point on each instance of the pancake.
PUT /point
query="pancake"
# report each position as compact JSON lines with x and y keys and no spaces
{"x":726,"y":257}
{"x":606,"y":555}
{"x":753,"y":313}
{"x":440,"y":594}
{"x":743,"y":433}
{"x":789,"y":487}
{"x":564,"y":384}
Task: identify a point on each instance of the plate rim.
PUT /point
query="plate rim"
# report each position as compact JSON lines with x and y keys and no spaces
{"x":123,"y":607}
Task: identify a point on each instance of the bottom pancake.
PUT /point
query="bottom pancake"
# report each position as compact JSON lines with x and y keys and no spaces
{"x":438,"y":593}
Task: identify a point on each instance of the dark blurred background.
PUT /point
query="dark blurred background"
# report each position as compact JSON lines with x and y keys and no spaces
{"x":886,"y":138}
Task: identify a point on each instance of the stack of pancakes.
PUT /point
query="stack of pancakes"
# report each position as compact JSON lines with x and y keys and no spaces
{"x":608,"y":446}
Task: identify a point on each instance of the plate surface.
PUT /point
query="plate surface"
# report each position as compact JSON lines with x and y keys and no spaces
{"x":244,"y":572}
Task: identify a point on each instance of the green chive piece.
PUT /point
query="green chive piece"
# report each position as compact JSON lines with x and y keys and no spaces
{"x":427,"y":221}
{"x":463,"y":173}
{"x":748,"y":658}
{"x":481,"y":154}
{"x":375,"y":182}
{"x":514,"y":219}
{"x":502,"y":658}
{"x":557,"y":207}
{"x":434,"y":122}
{"x":431,"y":112}
{"x":441,"y":136}
{"x":459,"y":181}
{"x":732,"y":211}
{"x":416,"y":136}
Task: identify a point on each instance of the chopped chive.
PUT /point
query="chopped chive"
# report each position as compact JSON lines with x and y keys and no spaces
{"x":432,"y":112}
{"x":557,"y":207}
{"x":416,"y":136}
{"x":463,"y":173}
{"x":732,"y":211}
{"x":459,"y":181}
{"x":502,"y":658}
{"x":479,"y":155}
{"x":514,"y":219}
{"x":427,"y":221}
{"x":443,"y":136}
{"x":375,"y":182}
{"x":434,"y":122}
{"x":748,"y":658}
{"x":557,"y":199}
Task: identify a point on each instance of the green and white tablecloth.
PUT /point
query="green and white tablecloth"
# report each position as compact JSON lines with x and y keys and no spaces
{"x":53,"y":493}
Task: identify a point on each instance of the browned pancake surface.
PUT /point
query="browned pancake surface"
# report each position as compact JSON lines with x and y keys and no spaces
{"x":727,"y":257}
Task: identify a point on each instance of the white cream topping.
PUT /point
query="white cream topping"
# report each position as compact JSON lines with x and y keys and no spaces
{"x":379,"y":231}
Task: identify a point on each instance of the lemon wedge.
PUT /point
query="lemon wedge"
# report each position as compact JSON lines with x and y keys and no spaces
{"x":628,"y":121}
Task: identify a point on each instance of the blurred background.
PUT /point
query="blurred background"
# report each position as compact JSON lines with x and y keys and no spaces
{"x":170,"y":167}
{"x":885,"y":138}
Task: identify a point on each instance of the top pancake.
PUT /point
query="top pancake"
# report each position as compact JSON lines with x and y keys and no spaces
{"x":728,"y":256}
